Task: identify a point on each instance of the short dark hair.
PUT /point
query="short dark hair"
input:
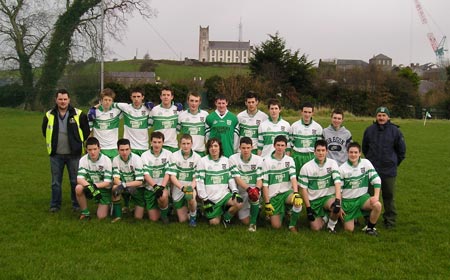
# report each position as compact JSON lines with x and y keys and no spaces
{"x":338,"y":112}
{"x":354,"y":144}
{"x":137,"y":89}
{"x":220,"y":97}
{"x":251,"y":94}
{"x":273,"y":101}
{"x":167,"y":88}
{"x":92,"y":141}
{"x":157,"y":135}
{"x":193,"y":93}
{"x":210,"y":142}
{"x":123,"y":141}
{"x":322,"y":143}
{"x":186,"y":137}
{"x":246,"y":140}
{"x":280,"y":138}
{"x":61,"y":91}
{"x":307,"y":105}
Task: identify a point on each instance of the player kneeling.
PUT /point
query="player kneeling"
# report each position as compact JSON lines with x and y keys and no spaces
{"x":94,"y":180}
{"x":181,"y":169}
{"x":128,"y":178}
{"x":357,"y":173}
{"x":214,"y":182}
{"x":246,"y":168}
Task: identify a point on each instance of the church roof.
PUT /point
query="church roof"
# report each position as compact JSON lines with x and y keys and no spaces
{"x":229,"y":45}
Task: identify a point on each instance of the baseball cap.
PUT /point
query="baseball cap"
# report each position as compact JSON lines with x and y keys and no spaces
{"x":383,"y":110}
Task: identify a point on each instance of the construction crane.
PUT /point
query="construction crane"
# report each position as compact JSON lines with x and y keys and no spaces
{"x":438,"y":48}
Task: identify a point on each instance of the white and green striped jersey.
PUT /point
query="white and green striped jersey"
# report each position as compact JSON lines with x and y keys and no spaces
{"x":184,"y":169}
{"x":356,"y":179}
{"x":320,"y":180}
{"x":249,"y":171}
{"x":303,"y":137}
{"x":95,"y":171}
{"x":156,"y":166}
{"x":214,"y":178}
{"x":277,"y":174}
{"x":129,"y":170}
{"x":194,"y":125}
{"x":248,"y":125}
{"x":105,"y":127}
{"x":165,"y":120}
{"x":135,"y":125}
{"x":267,"y":132}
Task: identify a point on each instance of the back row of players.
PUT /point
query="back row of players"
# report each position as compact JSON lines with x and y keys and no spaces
{"x":245,"y":154}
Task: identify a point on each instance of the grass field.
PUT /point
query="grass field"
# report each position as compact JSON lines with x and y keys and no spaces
{"x":38,"y":245}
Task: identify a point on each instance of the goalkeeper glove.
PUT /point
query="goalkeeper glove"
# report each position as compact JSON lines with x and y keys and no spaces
{"x":188,"y":192}
{"x":237,"y":197}
{"x":336,"y":206}
{"x":253,"y":194}
{"x":92,"y":191}
{"x":297,"y":199}
{"x":269,"y":209}
{"x":179,"y":106}
{"x":158,"y":189}
{"x":91,"y":114}
{"x":310,"y":214}
{"x":149,"y":105}
{"x":131,"y":190}
{"x":208,"y":206}
{"x":120,"y":189}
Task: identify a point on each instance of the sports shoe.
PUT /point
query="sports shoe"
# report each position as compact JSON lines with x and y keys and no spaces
{"x":293,"y":229}
{"x":371,"y":231}
{"x":252,"y":228}
{"x":192,"y":221}
{"x":226,"y":223}
{"x":331,"y":230}
{"x":85,"y":217}
{"x":53,"y":209}
{"x":116,"y":219}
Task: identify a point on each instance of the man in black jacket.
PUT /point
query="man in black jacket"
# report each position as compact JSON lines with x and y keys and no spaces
{"x":383,"y":144}
{"x":65,"y":128}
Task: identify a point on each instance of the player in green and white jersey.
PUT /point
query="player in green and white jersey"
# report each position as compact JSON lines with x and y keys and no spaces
{"x":94,"y":180}
{"x":246,"y":169}
{"x":164,"y":118}
{"x":136,"y":120}
{"x":280,"y":187}
{"x":271,"y":128}
{"x":337,"y":137}
{"x":357,"y":173}
{"x":224,"y":125}
{"x":192,"y":122}
{"x":156,"y":163}
{"x":128,"y":179}
{"x":304,"y":134}
{"x":251,"y":119}
{"x":321,"y":189}
{"x":215,"y":185}
{"x":182,"y":165}
{"x":104,"y":122}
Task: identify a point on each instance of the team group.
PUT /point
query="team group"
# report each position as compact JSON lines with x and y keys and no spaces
{"x":229,"y":164}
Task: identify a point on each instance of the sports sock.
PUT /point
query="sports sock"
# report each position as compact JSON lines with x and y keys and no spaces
{"x":85,"y":212}
{"x":193,"y":214}
{"x":254,"y":211}
{"x":294,"y":218}
{"x":164,"y":212}
{"x":227,"y":216}
{"x":370,"y":225}
{"x":117,"y":209}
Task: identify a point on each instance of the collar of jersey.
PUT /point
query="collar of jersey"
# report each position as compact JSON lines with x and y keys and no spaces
{"x":273,"y":153}
{"x":351,"y":164}
{"x":308,"y":123}
{"x":190,"y":154}
{"x":99,"y":155}
{"x":128,"y":159}
{"x":325,"y":161}
{"x":193,"y":113}
{"x":216,"y":160}
{"x":279,"y":119}
{"x":246,"y":160}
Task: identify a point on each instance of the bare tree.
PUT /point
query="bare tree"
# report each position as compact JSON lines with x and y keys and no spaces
{"x":41,"y":34}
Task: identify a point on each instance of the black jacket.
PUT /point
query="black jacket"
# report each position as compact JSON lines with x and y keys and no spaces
{"x":385,"y":147}
{"x":76,"y":145}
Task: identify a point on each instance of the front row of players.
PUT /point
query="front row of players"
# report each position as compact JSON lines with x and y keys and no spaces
{"x":230,"y":186}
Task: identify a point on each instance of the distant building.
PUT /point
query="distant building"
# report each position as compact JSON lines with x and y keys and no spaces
{"x":222,"y":51}
{"x":382,"y":61}
{"x":131,"y":78}
{"x":341,"y":64}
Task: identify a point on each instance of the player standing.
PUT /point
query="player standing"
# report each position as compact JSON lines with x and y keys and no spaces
{"x":337,"y":137}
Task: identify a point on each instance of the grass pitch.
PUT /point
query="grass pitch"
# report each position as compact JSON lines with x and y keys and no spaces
{"x":38,"y":245}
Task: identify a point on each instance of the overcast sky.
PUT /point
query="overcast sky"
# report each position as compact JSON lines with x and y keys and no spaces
{"x":343,"y":29}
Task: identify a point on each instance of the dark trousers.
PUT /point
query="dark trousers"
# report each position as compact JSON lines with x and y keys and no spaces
{"x":57,"y":163}
{"x":387,"y":194}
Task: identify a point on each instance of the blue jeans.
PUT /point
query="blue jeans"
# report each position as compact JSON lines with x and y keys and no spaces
{"x":57,"y":163}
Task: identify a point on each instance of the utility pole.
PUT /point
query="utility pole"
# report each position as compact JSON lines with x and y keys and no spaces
{"x":102,"y":47}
